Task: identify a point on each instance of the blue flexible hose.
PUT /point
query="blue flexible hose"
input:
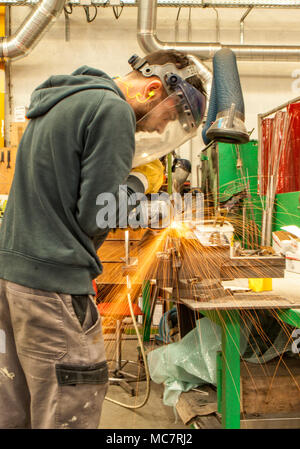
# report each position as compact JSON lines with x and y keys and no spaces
{"x":226,"y":88}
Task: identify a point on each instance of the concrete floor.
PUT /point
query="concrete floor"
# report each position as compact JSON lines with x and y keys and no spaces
{"x":153,"y":415}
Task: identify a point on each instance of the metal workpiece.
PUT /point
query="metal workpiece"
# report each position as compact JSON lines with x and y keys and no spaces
{"x":130,"y":263}
{"x":32,"y":29}
{"x":200,"y":268}
{"x":201,"y":289}
{"x":164,"y":270}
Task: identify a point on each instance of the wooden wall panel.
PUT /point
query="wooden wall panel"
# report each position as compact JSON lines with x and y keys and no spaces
{"x":7,"y":168}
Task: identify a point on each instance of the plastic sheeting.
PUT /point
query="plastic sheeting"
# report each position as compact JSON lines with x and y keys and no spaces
{"x":188,"y":363}
{"x":191,"y":362}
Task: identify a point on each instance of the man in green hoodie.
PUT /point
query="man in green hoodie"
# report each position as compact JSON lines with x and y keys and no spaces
{"x":79,"y":143}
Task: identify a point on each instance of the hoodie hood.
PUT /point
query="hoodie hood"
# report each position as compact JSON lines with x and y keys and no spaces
{"x":58,"y":87}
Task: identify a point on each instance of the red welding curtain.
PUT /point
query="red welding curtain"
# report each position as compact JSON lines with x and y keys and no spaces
{"x":267,"y":129}
{"x":281,"y":136}
{"x":294,"y":112}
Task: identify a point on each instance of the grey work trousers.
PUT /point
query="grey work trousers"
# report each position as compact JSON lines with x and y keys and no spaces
{"x":53,"y":372}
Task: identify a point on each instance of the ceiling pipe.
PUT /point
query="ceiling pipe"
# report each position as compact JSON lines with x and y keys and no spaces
{"x":279,"y":4}
{"x":32,"y":29}
{"x":217,"y":25}
{"x":203,"y":71}
{"x":146,"y":36}
{"x":149,"y":42}
{"x":242,"y":24}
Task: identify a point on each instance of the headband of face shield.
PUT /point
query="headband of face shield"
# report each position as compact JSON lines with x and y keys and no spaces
{"x":147,"y":70}
{"x":173,"y":121}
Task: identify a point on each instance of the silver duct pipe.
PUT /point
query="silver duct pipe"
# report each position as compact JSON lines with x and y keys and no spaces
{"x":247,"y":3}
{"x":31,"y":30}
{"x":146,"y":36}
{"x":242,"y":24}
{"x":147,"y":39}
{"x":204,"y":72}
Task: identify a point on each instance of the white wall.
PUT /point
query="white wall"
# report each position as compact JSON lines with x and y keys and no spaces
{"x":107,"y":43}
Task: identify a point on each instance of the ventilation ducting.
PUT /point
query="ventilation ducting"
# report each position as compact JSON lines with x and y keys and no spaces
{"x":32,"y":29}
{"x":149,"y":42}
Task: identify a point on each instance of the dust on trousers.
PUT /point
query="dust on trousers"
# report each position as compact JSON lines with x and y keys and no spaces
{"x":53,"y":372}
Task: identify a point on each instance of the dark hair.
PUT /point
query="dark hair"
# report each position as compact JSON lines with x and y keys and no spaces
{"x":180,"y":60}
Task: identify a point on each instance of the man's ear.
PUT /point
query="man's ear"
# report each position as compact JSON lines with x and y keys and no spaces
{"x":153,"y":89}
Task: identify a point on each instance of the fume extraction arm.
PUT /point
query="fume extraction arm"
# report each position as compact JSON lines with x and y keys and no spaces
{"x":226,"y":113}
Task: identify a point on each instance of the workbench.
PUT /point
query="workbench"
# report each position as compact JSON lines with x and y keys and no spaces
{"x":227,"y":315}
{"x":226,"y":312}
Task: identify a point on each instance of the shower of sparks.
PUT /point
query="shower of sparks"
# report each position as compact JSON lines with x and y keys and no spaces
{"x":199,"y":262}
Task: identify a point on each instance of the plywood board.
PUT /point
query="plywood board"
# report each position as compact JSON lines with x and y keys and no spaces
{"x":193,"y":404}
{"x":271,"y":387}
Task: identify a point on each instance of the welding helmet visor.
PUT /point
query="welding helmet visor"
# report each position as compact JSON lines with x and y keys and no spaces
{"x":169,"y":124}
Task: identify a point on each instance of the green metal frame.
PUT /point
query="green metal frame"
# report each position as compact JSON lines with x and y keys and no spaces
{"x":290,"y":316}
{"x":146,"y":307}
{"x":287,"y":210}
{"x":230,"y":175}
{"x":228,"y":361}
{"x":228,"y":366}
{"x":219,"y":381}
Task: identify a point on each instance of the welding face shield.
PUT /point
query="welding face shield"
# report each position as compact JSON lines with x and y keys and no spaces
{"x":171,"y":123}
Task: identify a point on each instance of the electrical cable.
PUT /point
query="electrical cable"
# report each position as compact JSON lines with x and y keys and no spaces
{"x":116,"y":11}
{"x":128,"y":284}
{"x":143,"y":355}
{"x":87,"y":13}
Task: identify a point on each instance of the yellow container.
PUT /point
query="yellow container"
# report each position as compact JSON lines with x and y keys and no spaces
{"x":260,"y":284}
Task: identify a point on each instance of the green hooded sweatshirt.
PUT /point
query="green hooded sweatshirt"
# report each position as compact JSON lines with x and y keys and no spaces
{"x":79,"y":143}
